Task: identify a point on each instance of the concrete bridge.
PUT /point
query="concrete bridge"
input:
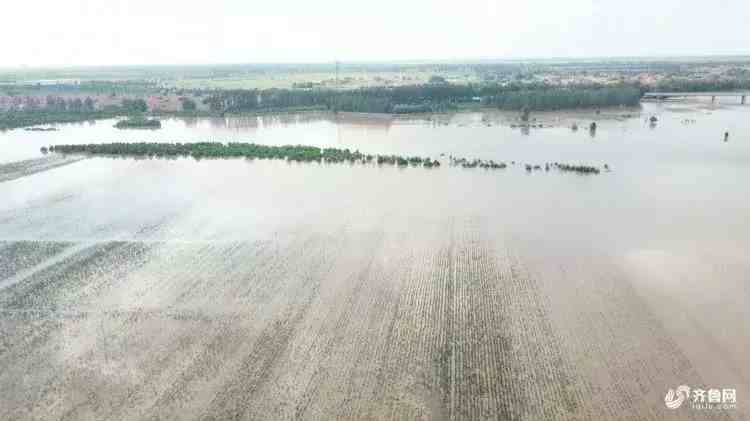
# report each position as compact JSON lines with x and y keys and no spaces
{"x":713,"y":95}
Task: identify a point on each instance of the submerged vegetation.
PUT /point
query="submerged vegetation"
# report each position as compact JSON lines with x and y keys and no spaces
{"x":298,"y":153}
{"x":465,"y":163}
{"x":292,"y":153}
{"x":582,"y":169}
{"x":138,"y":123}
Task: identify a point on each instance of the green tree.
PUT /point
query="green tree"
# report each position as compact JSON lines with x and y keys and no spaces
{"x":525,"y":114}
{"x":134,"y":105}
{"x":88,"y":104}
{"x":188,"y":104}
{"x":435,"y":79}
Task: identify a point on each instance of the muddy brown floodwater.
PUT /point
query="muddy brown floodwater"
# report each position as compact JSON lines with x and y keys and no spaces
{"x":234,"y":289}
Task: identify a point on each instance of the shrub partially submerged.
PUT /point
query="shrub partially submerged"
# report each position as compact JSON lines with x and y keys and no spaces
{"x":296,"y":153}
{"x":138,"y":123}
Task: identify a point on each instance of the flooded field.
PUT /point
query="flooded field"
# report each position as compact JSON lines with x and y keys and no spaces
{"x":237,"y":289}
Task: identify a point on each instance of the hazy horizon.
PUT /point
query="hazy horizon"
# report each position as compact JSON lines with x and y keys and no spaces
{"x":82,"y":33}
{"x":426,"y":61}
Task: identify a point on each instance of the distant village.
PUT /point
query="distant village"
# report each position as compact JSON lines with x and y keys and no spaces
{"x":170,"y":91}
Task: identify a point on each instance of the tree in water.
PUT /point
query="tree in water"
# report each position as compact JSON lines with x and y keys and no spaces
{"x":188,"y":104}
{"x":435,"y":79}
{"x":134,"y":105}
{"x":525,"y":114}
{"x":88,"y":104}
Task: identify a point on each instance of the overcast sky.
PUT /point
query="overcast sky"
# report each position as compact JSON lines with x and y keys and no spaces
{"x":105,"y":32}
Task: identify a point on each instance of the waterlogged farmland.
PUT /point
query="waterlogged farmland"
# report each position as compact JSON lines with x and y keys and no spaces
{"x":160,"y":288}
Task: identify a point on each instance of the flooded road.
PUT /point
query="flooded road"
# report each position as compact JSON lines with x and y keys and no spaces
{"x":235,"y":289}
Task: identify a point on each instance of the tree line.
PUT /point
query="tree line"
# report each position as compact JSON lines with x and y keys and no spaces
{"x":297,"y":153}
{"x":685,"y":85}
{"x":32,"y":111}
{"x":292,"y":153}
{"x":555,"y":99}
{"x":431,"y":97}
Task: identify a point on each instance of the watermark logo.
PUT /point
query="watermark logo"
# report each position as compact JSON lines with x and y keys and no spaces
{"x":675,"y":399}
{"x":697,"y":398}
